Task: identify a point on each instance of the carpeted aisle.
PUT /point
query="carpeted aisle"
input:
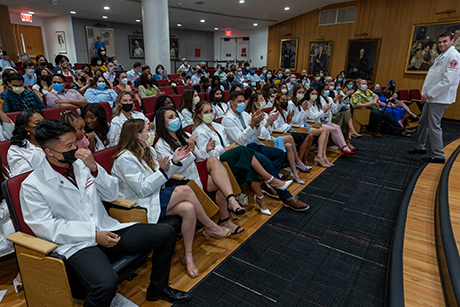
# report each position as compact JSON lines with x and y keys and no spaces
{"x":336,"y":253}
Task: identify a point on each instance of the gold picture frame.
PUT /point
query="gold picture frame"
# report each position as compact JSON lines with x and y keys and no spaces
{"x":324,"y":61}
{"x":423,"y":36}
{"x":365,"y":64}
{"x":289,"y":60}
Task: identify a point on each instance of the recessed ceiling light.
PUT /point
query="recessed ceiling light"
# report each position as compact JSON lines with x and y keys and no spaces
{"x":179,"y":25}
{"x":31,"y":13}
{"x":105,"y":17}
{"x":286,"y":8}
{"x":73,"y":12}
{"x":216,"y":29}
{"x":106,"y":8}
{"x":138,"y":20}
{"x":202,"y":20}
{"x":255,"y":24}
{"x":241,"y":1}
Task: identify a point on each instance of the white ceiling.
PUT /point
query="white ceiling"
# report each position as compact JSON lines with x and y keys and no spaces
{"x":222,"y":14}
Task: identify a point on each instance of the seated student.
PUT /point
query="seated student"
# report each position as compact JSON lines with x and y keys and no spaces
{"x":147,"y":87}
{"x":109,"y":75}
{"x":317,"y":80}
{"x":189,"y":100}
{"x":215,"y":82}
{"x":30,"y":78}
{"x":44,"y":82}
{"x":62,"y":97}
{"x":305,"y":81}
{"x":100,"y":91}
{"x":209,"y":174}
{"x":6,"y":126}
{"x":135,"y":73}
{"x":106,"y":135}
{"x":283,"y":89}
{"x":220,"y":73}
{"x":219,"y":106}
{"x":364,"y":98}
{"x":120,"y":84}
{"x":268,"y":92}
{"x":202,"y":86}
{"x":278,"y":77}
{"x":243,"y":129}
{"x":182,"y":80}
{"x":141,"y":176}
{"x":60,"y":209}
{"x":17,"y":98}
{"x":252,"y":77}
{"x":160,"y":73}
{"x":124,"y":109}
{"x":65,"y":69}
{"x":83,"y":81}
{"x":212,"y":141}
{"x":25,"y":154}
{"x":266,"y":78}
{"x":83,"y":140}
{"x":4,"y":82}
{"x":343,"y":96}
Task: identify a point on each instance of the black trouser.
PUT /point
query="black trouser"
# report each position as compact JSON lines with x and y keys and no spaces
{"x":93,"y":270}
{"x":376,"y":118}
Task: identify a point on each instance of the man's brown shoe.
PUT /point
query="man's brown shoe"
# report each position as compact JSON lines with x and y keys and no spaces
{"x":295,"y":204}
{"x":376,"y":135}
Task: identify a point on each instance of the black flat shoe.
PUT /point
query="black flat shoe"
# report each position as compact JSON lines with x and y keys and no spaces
{"x":417,"y":151}
{"x":434,"y":160}
{"x":169,"y":294}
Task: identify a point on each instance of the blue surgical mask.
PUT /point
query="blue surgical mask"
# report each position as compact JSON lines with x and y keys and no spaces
{"x":174,"y":125}
{"x":240,"y":107}
{"x":269,"y":76}
{"x":350,"y":86}
{"x":304,"y":81}
{"x":240,"y":73}
{"x":101,"y":85}
{"x":337,"y":88}
{"x":30,"y":71}
{"x":159,"y":70}
{"x":326,"y":93}
{"x":252,"y":71}
{"x":340,"y":79}
{"x":293,"y":80}
{"x":58,"y":87}
{"x":264,"y":71}
{"x":280,"y":76}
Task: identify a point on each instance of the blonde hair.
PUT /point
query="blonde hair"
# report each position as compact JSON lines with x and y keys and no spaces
{"x":198,"y":109}
{"x":116,"y":110}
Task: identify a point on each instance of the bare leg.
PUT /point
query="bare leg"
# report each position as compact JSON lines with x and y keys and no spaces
{"x":323,"y":136}
{"x":401,"y":104}
{"x":352,"y":129}
{"x":288,"y":139}
{"x":223,"y":212}
{"x":276,"y":182}
{"x":290,"y":156}
{"x":256,"y":188}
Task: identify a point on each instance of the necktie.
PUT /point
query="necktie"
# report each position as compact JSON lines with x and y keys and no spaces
{"x":68,"y":173}
{"x":242,"y":121}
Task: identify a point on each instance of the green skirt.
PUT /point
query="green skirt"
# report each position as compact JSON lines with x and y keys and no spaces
{"x":239,"y":159}
{"x":341,"y":119}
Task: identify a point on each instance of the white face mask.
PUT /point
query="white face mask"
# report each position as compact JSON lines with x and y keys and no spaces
{"x":196,"y":100}
{"x":314,"y":97}
{"x":262,"y":105}
{"x":300,"y":96}
{"x":208,"y":118}
{"x":284,"y":91}
{"x":124,"y":81}
{"x":364,"y":87}
{"x":18,"y":90}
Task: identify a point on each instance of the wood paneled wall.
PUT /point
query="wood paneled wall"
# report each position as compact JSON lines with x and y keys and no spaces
{"x":391,"y":20}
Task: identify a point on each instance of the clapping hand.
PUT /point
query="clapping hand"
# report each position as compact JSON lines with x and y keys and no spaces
{"x":290,"y":116}
{"x":191,"y":142}
{"x":181,"y":153}
{"x":164,"y":163}
{"x":272,"y":118}
{"x":211,"y":145}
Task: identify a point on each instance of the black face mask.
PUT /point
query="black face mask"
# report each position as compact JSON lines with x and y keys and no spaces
{"x":83,"y":80}
{"x":217,"y":100}
{"x":127,"y":107}
{"x":230,"y":79}
{"x":47,"y":78}
{"x":199,"y":71}
{"x":183,"y":74}
{"x":42,"y":64}
{"x":69,"y":156}
{"x":150,"y":81}
{"x":283,"y":105}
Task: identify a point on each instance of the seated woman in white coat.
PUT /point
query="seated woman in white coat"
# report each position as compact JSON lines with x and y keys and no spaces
{"x":209,"y":174}
{"x":25,"y":154}
{"x":242,"y":160}
{"x":187,"y":106}
{"x":106,"y":135}
{"x":6,"y":126}
{"x":141,"y":177}
{"x":124,"y":109}
{"x":321,"y":112}
{"x":219,"y":106}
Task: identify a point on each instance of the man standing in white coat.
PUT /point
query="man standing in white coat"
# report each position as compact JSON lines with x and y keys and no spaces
{"x":61,"y":203}
{"x":438,"y":92}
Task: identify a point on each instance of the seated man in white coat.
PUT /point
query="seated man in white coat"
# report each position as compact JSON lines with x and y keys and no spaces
{"x":61,"y":203}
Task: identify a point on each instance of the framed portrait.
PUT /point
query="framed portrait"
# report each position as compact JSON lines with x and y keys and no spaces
{"x":320,"y":54}
{"x":288,"y":58}
{"x":174,"y":48}
{"x":423,"y":47}
{"x":99,"y":37}
{"x":136,"y":47}
{"x":362,"y":58}
{"x":61,"y":43}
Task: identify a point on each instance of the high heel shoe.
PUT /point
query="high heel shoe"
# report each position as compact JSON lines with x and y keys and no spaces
{"x":355,"y":134}
{"x":236,"y":231}
{"x":284,"y":187}
{"x":256,"y":204}
{"x":236,"y":212}
{"x":189,"y":271}
{"x":207,"y":235}
{"x":305,"y":170}
{"x":300,"y":181}
{"x":317,"y":162}
{"x":346,"y":153}
{"x":16,"y":285}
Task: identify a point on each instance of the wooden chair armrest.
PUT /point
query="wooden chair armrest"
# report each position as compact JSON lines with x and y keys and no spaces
{"x":269,"y":143}
{"x":295,"y":126}
{"x":316,"y":125}
{"x":300,"y":129}
{"x":124,"y":215}
{"x":416,"y":100}
{"x":278,"y":131}
{"x":31,"y":242}
{"x":178,"y":177}
{"x":235,"y":186}
{"x":310,"y":122}
{"x":261,"y":138}
{"x":125,"y":203}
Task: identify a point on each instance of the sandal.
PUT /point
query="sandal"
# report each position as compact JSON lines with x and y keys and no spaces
{"x":189,"y":271}
{"x":236,"y":231}
{"x":238,"y":211}
{"x":207,"y":235}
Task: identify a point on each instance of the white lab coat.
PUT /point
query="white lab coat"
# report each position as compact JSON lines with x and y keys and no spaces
{"x":6,"y":229}
{"x":187,"y":119}
{"x":280,"y":123}
{"x":188,"y":168}
{"x":220,"y":109}
{"x":58,"y":212}
{"x":236,"y":132}
{"x":6,"y":131}
{"x":119,"y":120}
{"x":24,"y":159}
{"x":442,"y":80}
{"x":140,"y":183}
{"x":205,"y":133}
{"x":317,"y":114}
{"x":113,"y":135}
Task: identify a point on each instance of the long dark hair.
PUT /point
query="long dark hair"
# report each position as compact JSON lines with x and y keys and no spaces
{"x":3,"y":176}
{"x":99,"y":112}
{"x":213,"y":93}
{"x":117,"y":76}
{"x":319,"y":89}
{"x":40,"y":77}
{"x":161,"y":102}
{"x":162,"y":131}
{"x":20,"y":133}
{"x":187,"y":99}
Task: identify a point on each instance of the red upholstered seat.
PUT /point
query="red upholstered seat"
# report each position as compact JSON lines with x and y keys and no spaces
{"x":177,"y":100}
{"x":149,"y":104}
{"x":4,"y":146}
{"x":163,"y":82}
{"x":181,"y":88}
{"x":404,"y":95}
{"x":12,"y":116}
{"x":168,"y":90}
{"x":415,"y":94}
{"x":226,"y":95}
{"x":56,"y":112}
{"x":104,"y":158}
{"x":108,"y":110}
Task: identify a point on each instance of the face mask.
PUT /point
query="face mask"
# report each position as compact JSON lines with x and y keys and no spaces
{"x":218,"y":69}
{"x":185,"y":63}
{"x":280,"y":76}
{"x":350,"y":86}
{"x":304,"y":81}
{"x":230,"y":79}
{"x":150,"y":81}
{"x":18,"y":90}
{"x":337,"y":88}
{"x":203,"y":66}
{"x":183,"y":74}
{"x":159,"y":70}
{"x":314,"y":97}
{"x":115,"y":62}
{"x":42,"y":64}
{"x":58,"y":87}
{"x":293,"y":80}
{"x":262,"y":105}
{"x":196,"y":100}
{"x":264,"y":71}
{"x":208,"y":118}
{"x":321,"y":75}
{"x":364,"y":87}
{"x":252,"y":71}
{"x":317,"y":78}
{"x":340,"y":79}
{"x":110,"y":68}
{"x":174,"y":125}
{"x":284,"y":91}
{"x":101,"y":85}
{"x":99,"y":63}
{"x":69,"y":156}
{"x":30,"y":71}
{"x":151,"y":138}
{"x":377,"y":90}
{"x":240,"y":107}
{"x":287,"y":74}
{"x":247,"y":68}
{"x":240,"y":73}
{"x":219,"y":99}
{"x":127,"y":107}
{"x":326,"y":93}
{"x":82,"y":79}
{"x":300,"y":96}
{"x":102,"y":52}
{"x":269,"y":76}
{"x":124,"y":81}
{"x":46,"y":78}
{"x":283,"y":104}
{"x":199,"y":71}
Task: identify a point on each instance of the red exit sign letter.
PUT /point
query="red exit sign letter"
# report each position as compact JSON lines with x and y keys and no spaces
{"x":228,"y":33}
{"x":26,"y":17}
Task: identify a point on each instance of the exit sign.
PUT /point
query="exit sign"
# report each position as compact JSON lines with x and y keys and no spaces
{"x":26,"y":17}
{"x":228,"y":33}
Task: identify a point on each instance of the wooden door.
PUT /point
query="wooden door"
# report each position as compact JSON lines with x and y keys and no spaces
{"x":29,"y":39}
